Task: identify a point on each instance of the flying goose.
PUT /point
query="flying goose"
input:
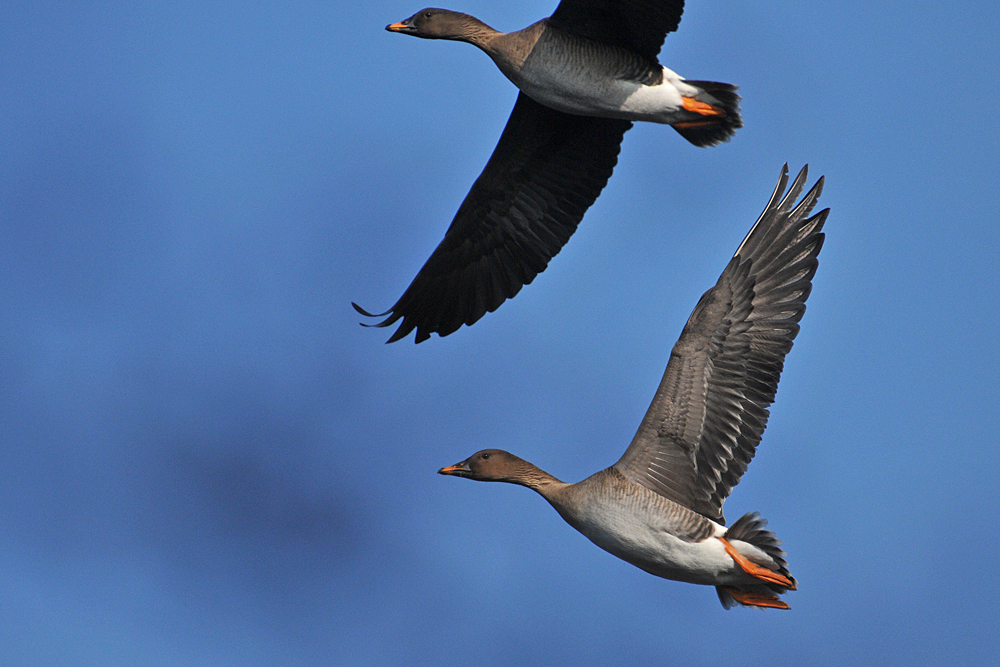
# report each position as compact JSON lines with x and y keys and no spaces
{"x":585,"y":73}
{"x":660,"y":506}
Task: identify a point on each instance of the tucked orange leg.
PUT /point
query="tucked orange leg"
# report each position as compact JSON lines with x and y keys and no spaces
{"x":702,"y":108}
{"x":755,"y":570}
{"x":695,"y":123}
{"x":755,"y":599}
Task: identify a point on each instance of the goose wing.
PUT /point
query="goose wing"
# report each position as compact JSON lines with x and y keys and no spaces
{"x":546,"y":171}
{"x":710,"y":410}
{"x":637,"y":25}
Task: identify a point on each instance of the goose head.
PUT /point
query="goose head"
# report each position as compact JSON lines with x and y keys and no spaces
{"x":496,"y":465}
{"x":432,"y":23}
{"x":488,"y":465}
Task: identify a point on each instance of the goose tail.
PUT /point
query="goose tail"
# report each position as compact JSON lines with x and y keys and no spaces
{"x":766,"y":561}
{"x":716,"y":114}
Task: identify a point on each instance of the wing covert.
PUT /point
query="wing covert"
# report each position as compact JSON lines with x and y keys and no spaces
{"x":637,"y":25}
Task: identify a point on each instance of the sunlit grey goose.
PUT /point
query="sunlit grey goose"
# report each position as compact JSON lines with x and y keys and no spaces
{"x":584,"y":74}
{"x":660,"y":506}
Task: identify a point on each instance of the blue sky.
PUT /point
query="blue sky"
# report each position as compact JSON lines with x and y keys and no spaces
{"x":206,"y":461}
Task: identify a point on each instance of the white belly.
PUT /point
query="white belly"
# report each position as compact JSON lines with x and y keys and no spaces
{"x":658,"y":552}
{"x":567,"y":89}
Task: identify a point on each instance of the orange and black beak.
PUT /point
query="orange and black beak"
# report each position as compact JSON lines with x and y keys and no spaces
{"x":402,"y":26}
{"x":460,"y":469}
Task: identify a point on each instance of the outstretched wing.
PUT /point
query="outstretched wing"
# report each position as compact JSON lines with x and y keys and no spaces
{"x":637,"y":25}
{"x":710,"y":410}
{"x":546,"y":171}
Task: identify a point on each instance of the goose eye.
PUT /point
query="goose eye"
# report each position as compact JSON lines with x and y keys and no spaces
{"x":427,"y":15}
{"x":486,"y":456}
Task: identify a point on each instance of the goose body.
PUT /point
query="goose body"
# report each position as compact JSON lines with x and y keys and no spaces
{"x":584,"y":75}
{"x":651,"y":532}
{"x":660,"y":506}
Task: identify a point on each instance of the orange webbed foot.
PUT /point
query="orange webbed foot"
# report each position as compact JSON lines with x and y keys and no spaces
{"x":755,"y":599}
{"x":755,"y":570}
{"x":691,"y":104}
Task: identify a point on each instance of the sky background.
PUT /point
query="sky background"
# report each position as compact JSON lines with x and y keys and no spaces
{"x":204,"y":460}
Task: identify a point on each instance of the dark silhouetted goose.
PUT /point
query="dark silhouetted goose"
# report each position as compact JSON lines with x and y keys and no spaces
{"x":660,"y":506}
{"x":584,"y":73}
